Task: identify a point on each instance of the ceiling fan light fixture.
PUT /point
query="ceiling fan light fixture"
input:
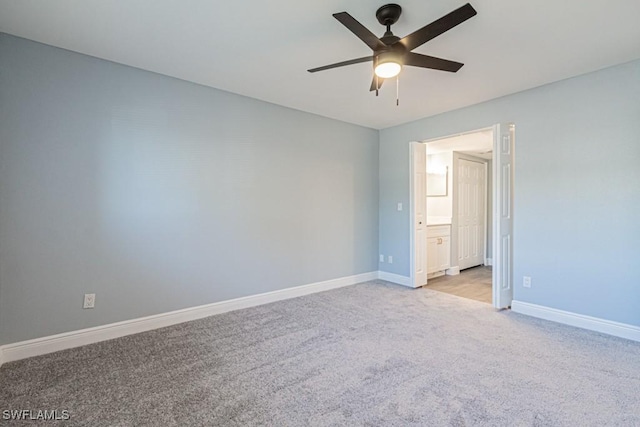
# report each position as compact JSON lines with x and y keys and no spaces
{"x":388,"y":69}
{"x":388,"y":64}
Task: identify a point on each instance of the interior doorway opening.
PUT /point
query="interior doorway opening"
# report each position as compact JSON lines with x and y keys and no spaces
{"x":462,"y":228}
{"x":458,"y":218}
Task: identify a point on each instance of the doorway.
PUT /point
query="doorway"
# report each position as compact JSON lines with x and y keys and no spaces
{"x":465,"y":216}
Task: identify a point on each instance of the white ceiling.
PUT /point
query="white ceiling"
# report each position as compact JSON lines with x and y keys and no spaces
{"x":263,"y":49}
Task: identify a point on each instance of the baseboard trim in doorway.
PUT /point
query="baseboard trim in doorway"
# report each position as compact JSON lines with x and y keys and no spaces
{"x":63,"y":341}
{"x":488,"y":262}
{"x":395,"y":278}
{"x":622,"y":330}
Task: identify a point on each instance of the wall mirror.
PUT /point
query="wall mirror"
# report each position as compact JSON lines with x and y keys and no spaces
{"x":437,"y":181}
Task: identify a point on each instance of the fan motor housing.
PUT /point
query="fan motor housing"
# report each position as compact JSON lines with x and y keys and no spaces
{"x":389,"y":39}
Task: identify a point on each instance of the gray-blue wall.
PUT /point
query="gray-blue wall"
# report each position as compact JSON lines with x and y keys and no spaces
{"x":158,"y":194}
{"x":577,"y":189}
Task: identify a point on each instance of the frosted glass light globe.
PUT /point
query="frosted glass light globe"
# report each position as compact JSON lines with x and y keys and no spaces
{"x":388,"y":69}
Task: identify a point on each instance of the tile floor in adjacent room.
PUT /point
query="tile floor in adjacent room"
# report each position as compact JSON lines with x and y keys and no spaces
{"x":473,"y":283}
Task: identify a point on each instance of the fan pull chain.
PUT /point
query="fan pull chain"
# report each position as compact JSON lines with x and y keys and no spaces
{"x":398,"y":90}
{"x":375,"y":64}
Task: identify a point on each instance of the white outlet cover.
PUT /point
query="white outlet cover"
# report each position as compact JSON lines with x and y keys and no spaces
{"x":390,"y":259}
{"x":399,"y":206}
{"x":381,"y":258}
{"x":89,"y":301}
{"x":526,"y":281}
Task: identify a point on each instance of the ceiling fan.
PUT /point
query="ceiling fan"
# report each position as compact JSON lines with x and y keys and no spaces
{"x":391,"y":53}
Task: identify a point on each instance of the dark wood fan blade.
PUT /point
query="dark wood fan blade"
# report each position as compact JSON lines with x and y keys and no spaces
{"x":425,"y":61}
{"x":359,"y":30}
{"x":342,"y":64}
{"x":437,"y":27}
{"x":373,"y":83}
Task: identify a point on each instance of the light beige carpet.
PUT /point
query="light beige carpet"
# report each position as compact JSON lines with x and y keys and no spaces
{"x":373,"y":354}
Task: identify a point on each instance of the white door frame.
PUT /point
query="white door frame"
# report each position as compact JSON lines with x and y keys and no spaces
{"x":497,"y":183}
{"x":417,"y":278}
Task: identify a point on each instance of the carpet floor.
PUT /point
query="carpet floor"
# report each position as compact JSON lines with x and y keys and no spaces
{"x":372,"y":354}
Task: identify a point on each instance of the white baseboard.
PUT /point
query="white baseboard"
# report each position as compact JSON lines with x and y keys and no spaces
{"x":49,"y":344}
{"x":395,"y":278}
{"x":453,"y":271}
{"x":435,"y":274}
{"x":617,"y":329}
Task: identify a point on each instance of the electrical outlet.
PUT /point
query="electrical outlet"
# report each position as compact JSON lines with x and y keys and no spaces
{"x":526,"y":281}
{"x":399,"y":207}
{"x":89,"y":301}
{"x":390,"y":259}
{"x":381,"y":258}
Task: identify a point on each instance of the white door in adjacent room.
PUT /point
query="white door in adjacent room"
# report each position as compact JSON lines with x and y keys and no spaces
{"x":471,"y":194}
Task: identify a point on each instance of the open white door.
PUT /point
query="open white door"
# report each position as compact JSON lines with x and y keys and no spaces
{"x":419,"y":214}
{"x":503,"y":147}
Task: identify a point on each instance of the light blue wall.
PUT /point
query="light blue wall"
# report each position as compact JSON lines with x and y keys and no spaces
{"x":577,"y":189}
{"x":158,"y":194}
